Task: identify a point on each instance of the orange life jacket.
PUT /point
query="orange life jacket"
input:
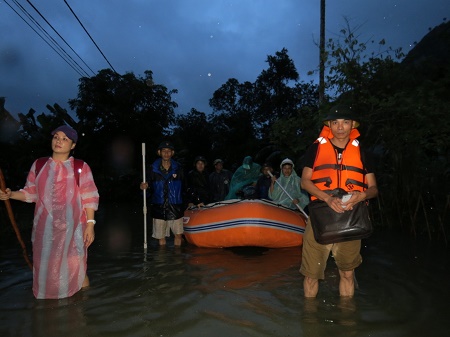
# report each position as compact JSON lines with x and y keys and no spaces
{"x":330,"y":171}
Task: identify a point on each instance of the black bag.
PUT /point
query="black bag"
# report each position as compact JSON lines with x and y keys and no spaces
{"x":332,"y":227}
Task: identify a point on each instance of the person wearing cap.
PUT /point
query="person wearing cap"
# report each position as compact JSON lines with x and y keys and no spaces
{"x":219,"y":181}
{"x":263,"y":183}
{"x":246,"y":175}
{"x":63,"y":225}
{"x":286,"y":189}
{"x":166,"y":193}
{"x":198,"y":190}
{"x":335,"y":160}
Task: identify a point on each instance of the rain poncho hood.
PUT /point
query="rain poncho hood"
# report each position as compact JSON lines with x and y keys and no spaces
{"x":292,"y":186}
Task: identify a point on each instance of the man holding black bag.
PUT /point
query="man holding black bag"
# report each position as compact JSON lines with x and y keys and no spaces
{"x":334,"y":166}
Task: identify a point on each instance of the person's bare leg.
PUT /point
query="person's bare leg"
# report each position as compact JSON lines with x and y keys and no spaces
{"x":85,"y":282}
{"x":347,"y":283}
{"x":310,"y":287}
{"x":177,"y":241}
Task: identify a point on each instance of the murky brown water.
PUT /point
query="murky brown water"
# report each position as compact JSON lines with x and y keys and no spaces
{"x":190,"y":291}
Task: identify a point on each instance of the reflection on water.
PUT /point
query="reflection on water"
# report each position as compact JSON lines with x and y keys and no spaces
{"x":191,"y":291}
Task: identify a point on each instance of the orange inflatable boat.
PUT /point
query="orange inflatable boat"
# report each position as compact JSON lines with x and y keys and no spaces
{"x":237,"y":222}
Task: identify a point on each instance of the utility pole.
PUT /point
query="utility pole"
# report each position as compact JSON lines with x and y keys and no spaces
{"x":322,"y":54}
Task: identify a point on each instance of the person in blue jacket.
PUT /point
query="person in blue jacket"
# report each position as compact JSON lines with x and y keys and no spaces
{"x":166,"y":193}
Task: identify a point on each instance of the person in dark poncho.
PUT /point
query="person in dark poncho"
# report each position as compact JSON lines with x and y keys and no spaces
{"x":264,"y":181}
{"x":219,"y":181}
{"x":198,"y":190}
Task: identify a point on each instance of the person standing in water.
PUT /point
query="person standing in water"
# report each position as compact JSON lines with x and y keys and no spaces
{"x":166,"y":192}
{"x":66,"y":199}
{"x":335,"y":161}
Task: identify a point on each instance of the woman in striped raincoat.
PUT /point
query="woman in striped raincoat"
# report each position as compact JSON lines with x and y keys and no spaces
{"x":66,"y":200}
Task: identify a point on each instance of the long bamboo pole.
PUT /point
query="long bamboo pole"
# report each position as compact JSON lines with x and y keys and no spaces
{"x":145,"y":196}
{"x":13,"y":222}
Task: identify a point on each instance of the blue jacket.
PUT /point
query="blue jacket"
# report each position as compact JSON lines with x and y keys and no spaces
{"x":166,"y":191}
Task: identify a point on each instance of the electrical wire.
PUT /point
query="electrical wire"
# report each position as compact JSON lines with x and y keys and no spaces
{"x":80,"y":72}
{"x":68,"y":57}
{"x":37,"y":11}
{"x":89,"y":36}
{"x":47,"y":38}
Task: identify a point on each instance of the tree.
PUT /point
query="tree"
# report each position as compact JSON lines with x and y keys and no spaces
{"x":192,"y":134}
{"x":233,"y":130}
{"x":112,"y":104}
{"x":296,"y":133}
{"x":351,"y":68}
{"x":275,"y":92}
{"x":245,"y":113}
{"x":273,"y":95}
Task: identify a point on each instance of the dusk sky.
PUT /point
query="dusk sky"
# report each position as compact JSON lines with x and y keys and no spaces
{"x":194,"y":46}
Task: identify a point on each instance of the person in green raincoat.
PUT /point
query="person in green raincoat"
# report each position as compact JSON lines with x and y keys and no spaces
{"x":290,"y":181}
{"x":245,"y":175}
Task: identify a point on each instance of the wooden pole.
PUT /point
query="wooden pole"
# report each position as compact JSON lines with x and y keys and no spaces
{"x":322,"y":53}
{"x":13,"y":222}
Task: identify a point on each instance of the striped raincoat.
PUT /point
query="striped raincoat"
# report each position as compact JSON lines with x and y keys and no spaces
{"x":59,"y":253}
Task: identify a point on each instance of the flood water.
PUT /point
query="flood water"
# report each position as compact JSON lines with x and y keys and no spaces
{"x":190,"y":291}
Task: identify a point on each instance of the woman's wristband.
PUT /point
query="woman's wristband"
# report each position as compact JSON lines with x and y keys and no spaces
{"x":93,"y":221}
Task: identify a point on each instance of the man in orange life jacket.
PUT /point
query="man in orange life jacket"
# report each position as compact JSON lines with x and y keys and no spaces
{"x":337,"y":144}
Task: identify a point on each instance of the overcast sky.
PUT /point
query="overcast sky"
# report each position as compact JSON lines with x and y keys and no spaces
{"x":194,"y":46}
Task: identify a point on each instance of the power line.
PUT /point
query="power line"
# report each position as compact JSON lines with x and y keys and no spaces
{"x":32,"y":19}
{"x":48,"y":39}
{"x":79,"y":71}
{"x":59,"y":35}
{"x":89,"y":36}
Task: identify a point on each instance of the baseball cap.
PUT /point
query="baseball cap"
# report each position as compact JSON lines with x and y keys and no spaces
{"x":166,"y":145}
{"x":70,"y":133}
{"x":200,"y":158}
